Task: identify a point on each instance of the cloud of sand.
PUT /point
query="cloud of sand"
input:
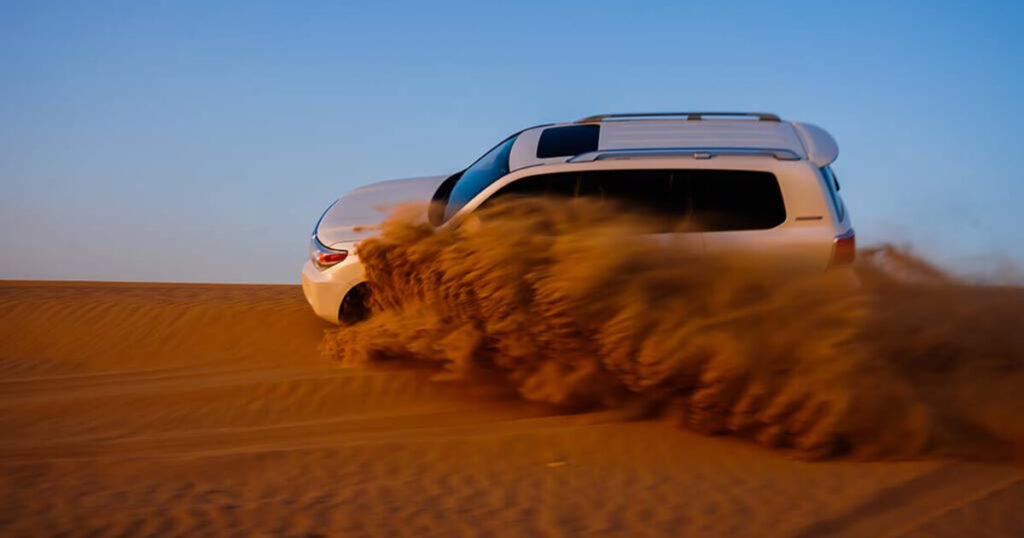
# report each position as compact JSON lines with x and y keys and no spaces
{"x":576,"y":304}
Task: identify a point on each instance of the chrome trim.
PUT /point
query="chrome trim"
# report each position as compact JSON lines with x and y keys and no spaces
{"x":761,"y":116}
{"x":322,"y":215}
{"x":697,"y":153}
{"x":322,"y":247}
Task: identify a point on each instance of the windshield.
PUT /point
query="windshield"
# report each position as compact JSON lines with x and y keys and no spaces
{"x":477,"y":177}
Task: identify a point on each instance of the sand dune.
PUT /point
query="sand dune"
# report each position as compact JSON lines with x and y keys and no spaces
{"x":155,"y":410}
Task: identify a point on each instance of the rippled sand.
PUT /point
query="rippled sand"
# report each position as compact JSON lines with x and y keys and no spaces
{"x":156,"y":410}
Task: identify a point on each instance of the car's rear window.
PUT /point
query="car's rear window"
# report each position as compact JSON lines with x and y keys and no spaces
{"x":713,"y":200}
{"x":567,"y":141}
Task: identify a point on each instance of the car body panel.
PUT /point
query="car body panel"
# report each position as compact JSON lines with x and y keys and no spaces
{"x":354,"y":215}
{"x":802,"y":242}
{"x":352,"y":218}
{"x":324,"y":290}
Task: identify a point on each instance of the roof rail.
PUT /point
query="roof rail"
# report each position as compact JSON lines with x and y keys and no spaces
{"x":781,"y":154}
{"x":761,"y":116}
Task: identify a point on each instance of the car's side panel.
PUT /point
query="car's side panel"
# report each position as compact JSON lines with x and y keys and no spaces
{"x":802,"y":242}
{"x":792,"y":248}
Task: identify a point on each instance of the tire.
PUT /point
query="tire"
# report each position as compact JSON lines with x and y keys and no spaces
{"x":355,"y":306}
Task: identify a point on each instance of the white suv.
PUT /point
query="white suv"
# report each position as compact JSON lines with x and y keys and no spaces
{"x":756,"y":183}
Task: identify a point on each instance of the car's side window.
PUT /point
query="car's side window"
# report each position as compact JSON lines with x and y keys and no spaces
{"x":730,"y":200}
{"x":650,"y":191}
{"x":562,"y":185}
{"x":832,"y":186}
{"x":714,"y":200}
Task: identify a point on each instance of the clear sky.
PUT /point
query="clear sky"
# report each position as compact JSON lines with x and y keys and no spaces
{"x":199,"y":141}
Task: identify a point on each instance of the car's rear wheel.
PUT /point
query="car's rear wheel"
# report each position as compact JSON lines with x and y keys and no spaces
{"x":355,"y":307}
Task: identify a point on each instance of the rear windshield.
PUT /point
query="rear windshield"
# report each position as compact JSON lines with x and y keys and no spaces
{"x":713,"y":200}
{"x":479,"y":176}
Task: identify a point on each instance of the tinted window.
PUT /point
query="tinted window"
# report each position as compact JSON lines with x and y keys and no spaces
{"x":716,"y":200}
{"x":435,"y":213}
{"x":479,"y":176}
{"x":567,"y":141}
{"x":561,"y":185}
{"x":649,"y":191}
{"x":734,"y":200}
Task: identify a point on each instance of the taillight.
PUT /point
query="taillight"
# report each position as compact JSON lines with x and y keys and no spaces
{"x":323,"y":256}
{"x":844,"y":249}
{"x":330,"y":259}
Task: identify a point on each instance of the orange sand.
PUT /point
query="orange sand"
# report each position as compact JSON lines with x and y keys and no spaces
{"x":155,"y":410}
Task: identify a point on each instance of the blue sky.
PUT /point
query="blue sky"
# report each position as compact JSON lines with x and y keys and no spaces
{"x":199,"y":141}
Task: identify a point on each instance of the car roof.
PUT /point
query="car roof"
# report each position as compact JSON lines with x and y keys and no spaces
{"x":702,"y":134}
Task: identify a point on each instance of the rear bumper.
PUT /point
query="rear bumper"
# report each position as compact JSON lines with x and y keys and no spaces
{"x":324,"y":290}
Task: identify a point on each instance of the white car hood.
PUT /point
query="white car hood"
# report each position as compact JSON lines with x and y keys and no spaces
{"x":355,"y":216}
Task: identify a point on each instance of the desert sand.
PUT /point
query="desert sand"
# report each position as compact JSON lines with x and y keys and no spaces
{"x":160,"y":409}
